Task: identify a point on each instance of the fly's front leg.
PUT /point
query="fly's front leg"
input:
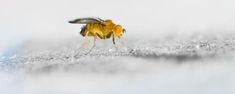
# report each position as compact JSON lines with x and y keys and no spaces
{"x":114,"y":42}
{"x":123,"y":42}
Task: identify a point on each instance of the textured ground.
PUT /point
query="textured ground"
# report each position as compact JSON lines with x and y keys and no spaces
{"x":193,"y":66}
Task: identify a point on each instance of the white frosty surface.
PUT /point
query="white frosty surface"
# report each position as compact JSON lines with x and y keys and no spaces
{"x":195,"y":66}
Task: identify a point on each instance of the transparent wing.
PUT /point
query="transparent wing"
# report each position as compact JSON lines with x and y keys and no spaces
{"x":86,"y":20}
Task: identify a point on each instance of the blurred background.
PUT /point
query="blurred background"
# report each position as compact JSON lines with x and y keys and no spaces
{"x":45,"y":19}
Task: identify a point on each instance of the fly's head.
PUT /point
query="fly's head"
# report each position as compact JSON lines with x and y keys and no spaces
{"x":118,"y":31}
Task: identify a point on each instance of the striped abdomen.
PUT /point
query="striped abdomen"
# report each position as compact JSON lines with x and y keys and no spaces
{"x":99,"y":30}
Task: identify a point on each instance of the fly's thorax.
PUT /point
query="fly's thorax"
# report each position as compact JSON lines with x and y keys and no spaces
{"x":109,"y":24}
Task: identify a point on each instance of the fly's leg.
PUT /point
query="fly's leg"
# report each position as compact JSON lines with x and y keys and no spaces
{"x":123,"y":42}
{"x":94,"y":44}
{"x":86,"y":41}
{"x":114,"y":42}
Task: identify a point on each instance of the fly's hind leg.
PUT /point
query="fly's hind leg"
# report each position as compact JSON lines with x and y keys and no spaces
{"x":86,"y":41}
{"x":94,"y":44}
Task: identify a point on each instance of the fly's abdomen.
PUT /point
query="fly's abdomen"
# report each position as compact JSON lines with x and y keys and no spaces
{"x":83,"y":31}
{"x":95,"y":30}
{"x":99,"y":30}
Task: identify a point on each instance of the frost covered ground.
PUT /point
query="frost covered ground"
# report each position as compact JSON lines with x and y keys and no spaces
{"x":193,"y":66}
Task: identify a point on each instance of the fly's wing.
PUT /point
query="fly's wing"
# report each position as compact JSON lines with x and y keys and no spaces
{"x":86,"y":20}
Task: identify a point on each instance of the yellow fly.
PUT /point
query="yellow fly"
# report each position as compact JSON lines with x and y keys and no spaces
{"x":98,"y":28}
